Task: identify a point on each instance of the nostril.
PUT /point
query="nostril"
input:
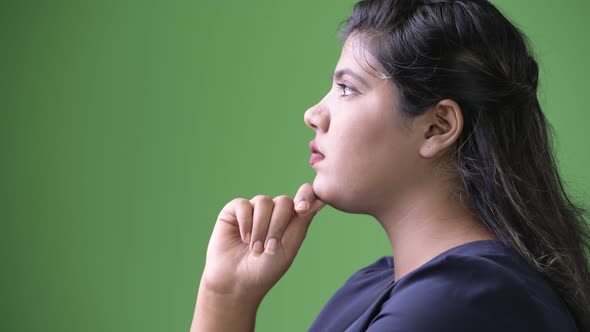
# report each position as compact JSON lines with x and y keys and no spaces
{"x":314,"y":118}
{"x":307,"y":120}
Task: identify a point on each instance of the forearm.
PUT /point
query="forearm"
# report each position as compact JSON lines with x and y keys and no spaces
{"x":217,"y":312}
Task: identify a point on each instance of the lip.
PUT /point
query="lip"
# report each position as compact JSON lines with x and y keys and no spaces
{"x":313,"y":147}
{"x":316,"y":156}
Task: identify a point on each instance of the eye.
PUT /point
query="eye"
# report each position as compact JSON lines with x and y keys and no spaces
{"x":344,"y":87}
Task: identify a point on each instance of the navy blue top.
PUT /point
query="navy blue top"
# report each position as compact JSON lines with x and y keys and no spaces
{"x":477,"y":286}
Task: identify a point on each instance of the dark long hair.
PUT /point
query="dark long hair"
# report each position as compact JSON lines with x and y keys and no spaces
{"x":466,"y":50}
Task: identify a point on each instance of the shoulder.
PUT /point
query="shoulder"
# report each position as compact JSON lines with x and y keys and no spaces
{"x":463,"y":291}
{"x":371,"y":278}
{"x":382,"y":265}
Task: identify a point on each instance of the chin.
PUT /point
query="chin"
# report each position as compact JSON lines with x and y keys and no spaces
{"x":338,"y":198}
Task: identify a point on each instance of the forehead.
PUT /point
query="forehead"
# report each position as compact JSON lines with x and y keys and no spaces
{"x":355,"y":55}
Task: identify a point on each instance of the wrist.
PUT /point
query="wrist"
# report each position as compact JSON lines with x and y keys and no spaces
{"x":224,"y":311}
{"x":214,"y":285}
{"x":234,"y":294}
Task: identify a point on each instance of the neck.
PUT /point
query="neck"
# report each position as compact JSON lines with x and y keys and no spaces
{"x":426,"y":222}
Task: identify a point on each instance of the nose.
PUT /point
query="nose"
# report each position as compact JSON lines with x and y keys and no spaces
{"x":316,"y":118}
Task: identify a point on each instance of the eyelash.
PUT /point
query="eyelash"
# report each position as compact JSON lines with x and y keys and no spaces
{"x":344,"y":86}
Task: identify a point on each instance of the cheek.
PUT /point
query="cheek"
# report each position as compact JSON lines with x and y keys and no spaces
{"x":367,"y":146}
{"x":365,"y":155}
{"x":356,"y":163}
{"x":378,"y":155}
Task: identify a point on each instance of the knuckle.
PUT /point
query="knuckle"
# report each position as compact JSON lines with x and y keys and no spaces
{"x":242,"y":202}
{"x":241,"y":206}
{"x":261,"y":198}
{"x":238,"y":201}
{"x":283,"y":200}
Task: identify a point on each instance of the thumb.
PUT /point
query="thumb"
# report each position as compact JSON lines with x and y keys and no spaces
{"x":307,"y":204}
{"x":306,"y":200}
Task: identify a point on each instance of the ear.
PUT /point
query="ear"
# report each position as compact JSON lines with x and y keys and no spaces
{"x":443,"y":125}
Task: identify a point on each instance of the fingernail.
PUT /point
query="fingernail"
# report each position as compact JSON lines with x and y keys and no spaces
{"x":248,"y":237}
{"x":302,"y":205}
{"x":271,"y":246}
{"x":257,"y":248}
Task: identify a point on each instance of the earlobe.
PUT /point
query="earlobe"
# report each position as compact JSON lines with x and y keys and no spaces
{"x":444,"y":123}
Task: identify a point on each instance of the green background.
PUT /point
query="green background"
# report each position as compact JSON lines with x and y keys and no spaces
{"x":125,"y":126}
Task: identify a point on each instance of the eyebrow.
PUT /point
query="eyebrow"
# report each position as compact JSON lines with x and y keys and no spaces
{"x":347,"y":71}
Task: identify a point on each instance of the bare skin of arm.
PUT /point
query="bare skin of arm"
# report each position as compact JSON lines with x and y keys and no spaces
{"x":223,"y":312}
{"x":253,"y":244}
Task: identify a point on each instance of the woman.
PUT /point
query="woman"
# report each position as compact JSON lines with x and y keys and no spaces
{"x":433,"y":127}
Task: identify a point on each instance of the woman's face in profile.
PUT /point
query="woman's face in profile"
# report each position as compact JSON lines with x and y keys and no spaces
{"x":370,"y":157}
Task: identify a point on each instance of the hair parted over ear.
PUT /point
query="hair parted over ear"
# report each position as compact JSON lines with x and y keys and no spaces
{"x":467,"y":51}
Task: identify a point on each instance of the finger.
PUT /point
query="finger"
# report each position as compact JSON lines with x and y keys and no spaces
{"x":297,"y":229}
{"x":243,"y":209}
{"x":281,"y":216}
{"x":263,"y":206}
{"x":237,"y":214}
{"x":306,"y":199}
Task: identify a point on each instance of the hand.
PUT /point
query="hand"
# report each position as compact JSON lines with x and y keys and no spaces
{"x":248,"y":266}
